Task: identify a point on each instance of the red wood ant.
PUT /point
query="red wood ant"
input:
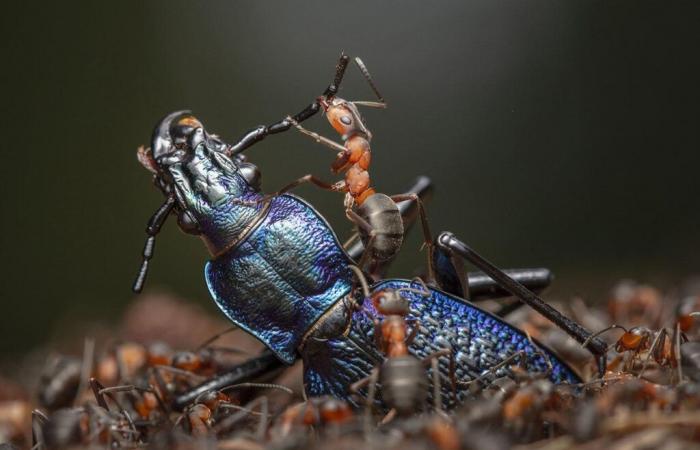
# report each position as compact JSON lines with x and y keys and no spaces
{"x":376,"y":215}
{"x":313,"y":412}
{"x":402,"y":376}
{"x":662,"y":345}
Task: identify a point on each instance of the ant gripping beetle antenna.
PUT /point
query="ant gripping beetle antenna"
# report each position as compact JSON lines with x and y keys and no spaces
{"x":262,"y":131}
{"x":370,"y":81}
{"x":154,"y":225}
{"x":333,"y":88}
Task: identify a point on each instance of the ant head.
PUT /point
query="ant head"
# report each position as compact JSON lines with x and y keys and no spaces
{"x":344,"y":117}
{"x":186,"y":361}
{"x":390,"y":302}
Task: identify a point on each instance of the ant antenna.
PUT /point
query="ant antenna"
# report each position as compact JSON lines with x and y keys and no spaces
{"x":604,"y":330}
{"x":154,"y":225}
{"x":369,"y":79}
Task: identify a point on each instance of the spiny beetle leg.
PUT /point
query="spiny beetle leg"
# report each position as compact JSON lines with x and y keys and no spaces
{"x":451,"y":245}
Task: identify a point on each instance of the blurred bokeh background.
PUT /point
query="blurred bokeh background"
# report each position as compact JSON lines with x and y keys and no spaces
{"x":558,"y":134}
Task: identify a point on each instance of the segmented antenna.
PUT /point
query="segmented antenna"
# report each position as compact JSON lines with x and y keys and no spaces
{"x":332,"y":90}
{"x":369,"y":79}
{"x":153,"y":228}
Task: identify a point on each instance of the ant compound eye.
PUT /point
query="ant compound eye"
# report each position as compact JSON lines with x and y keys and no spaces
{"x":346,"y":120}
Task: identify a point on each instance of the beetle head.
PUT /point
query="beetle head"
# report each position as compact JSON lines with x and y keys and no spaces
{"x":174,"y":139}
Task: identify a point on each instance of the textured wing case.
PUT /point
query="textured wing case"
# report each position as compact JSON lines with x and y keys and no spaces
{"x":283,"y":277}
{"x":478,"y":339}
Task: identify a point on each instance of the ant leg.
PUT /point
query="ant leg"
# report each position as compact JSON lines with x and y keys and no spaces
{"x":318,"y":138}
{"x":215,"y":337}
{"x":433,"y":358}
{"x":676,"y":350}
{"x":264,"y":364}
{"x":336,"y":187}
{"x":351,"y":240}
{"x":437,"y":388}
{"x":183,"y":373}
{"x":154,"y":225}
{"x":596,"y":346}
{"x":227,"y":424}
{"x":39,"y":419}
{"x":388,"y":417}
{"x":427,"y":235}
{"x":354,"y":388}
{"x":412,"y":335}
{"x":492,"y":370}
{"x":659,"y":341}
{"x":372,"y":392}
{"x":544,"y":356}
{"x":604,"y":330}
{"x":367,"y":228}
{"x":96,"y":386}
{"x":130,"y":387}
{"x":357,"y":385}
{"x":260,"y":132}
{"x":88,"y":362}
{"x":422,"y":187}
{"x":100,"y":392}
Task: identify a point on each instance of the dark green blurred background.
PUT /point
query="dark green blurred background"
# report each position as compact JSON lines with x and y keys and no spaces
{"x":559,"y":134}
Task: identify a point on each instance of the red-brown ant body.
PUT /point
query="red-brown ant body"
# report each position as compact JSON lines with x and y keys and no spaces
{"x":376,"y":215}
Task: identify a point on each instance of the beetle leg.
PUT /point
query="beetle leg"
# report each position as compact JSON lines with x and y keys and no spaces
{"x":596,"y":346}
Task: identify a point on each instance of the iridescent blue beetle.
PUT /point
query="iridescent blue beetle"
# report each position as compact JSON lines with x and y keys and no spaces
{"x":278,"y":271}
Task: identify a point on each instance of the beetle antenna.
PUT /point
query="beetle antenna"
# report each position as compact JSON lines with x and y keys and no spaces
{"x":369,"y":79}
{"x":154,"y":225}
{"x":333,"y":88}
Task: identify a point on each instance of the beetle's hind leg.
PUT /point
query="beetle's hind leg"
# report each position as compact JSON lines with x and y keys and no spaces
{"x":447,"y":242}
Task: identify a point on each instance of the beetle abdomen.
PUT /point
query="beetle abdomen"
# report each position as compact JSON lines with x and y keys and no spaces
{"x":478,"y":340}
{"x":384,"y":216}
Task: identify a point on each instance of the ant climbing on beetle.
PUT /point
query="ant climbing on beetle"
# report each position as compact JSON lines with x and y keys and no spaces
{"x":402,"y":376}
{"x":376,"y":215}
{"x":278,"y":271}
